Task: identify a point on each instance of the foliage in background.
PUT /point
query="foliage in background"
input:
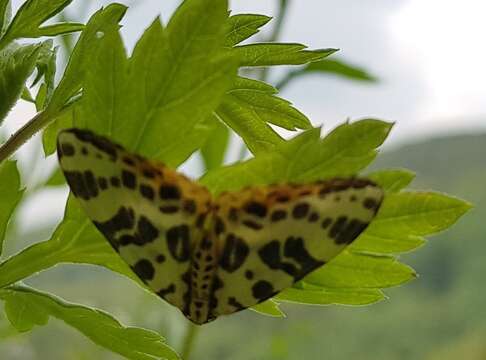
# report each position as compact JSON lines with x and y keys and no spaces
{"x":177,"y":93}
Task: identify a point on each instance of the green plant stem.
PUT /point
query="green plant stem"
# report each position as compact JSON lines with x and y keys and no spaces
{"x":22,"y":135}
{"x":277,"y":29}
{"x":189,"y":338}
{"x":32,"y":127}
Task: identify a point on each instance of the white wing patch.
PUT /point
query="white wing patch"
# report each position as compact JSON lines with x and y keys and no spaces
{"x":211,"y":257}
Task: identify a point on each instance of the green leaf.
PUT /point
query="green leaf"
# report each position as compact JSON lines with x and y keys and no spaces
{"x":62,"y":121}
{"x":5,"y":15}
{"x":163,"y":97}
{"x":31,"y":15}
{"x":27,"y":96}
{"x":268,"y":54}
{"x":75,"y":240}
{"x":407,"y":216}
{"x":83,"y":54}
{"x":351,"y":270}
{"x":16,"y":65}
{"x":322,"y":296}
{"x":344,"y":152}
{"x":243,"y":26}
{"x":214,"y":149}
{"x":387,"y":244}
{"x":56,"y":178}
{"x":392,"y":180}
{"x":418,"y":213}
{"x":46,"y":68}
{"x":269,"y":308}
{"x":339,"y":68}
{"x":10,"y":195}
{"x":250,"y":105}
{"x":200,"y":75}
{"x":266,"y":106}
{"x":26,"y":308}
{"x":258,"y":136}
{"x":104,"y":82}
{"x":60,"y":29}
{"x":23,"y":314}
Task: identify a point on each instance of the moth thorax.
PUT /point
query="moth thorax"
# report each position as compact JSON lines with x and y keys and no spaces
{"x":202,"y":274}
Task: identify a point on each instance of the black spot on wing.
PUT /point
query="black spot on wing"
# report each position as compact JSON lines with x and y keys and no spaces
{"x":103,"y":183}
{"x":147,"y":192}
{"x":129,"y":179}
{"x":350,"y":232}
{"x":217,"y":284}
{"x":144,"y":269}
{"x":149,"y":174}
{"x":187,"y":296}
{"x":262,"y":290}
{"x":252,"y":225}
{"x":91,"y":184}
{"x":169,"y":209}
{"x":115,"y":181}
{"x":294,"y":250}
{"x":127,"y":239}
{"x":233,"y":214}
{"x":326,"y":222}
{"x":124,"y":219}
{"x":282,"y":199}
{"x":278,"y":215}
{"x":300,"y":210}
{"x":234,"y":253}
{"x":189,"y":206}
{"x":256,"y":208}
{"x":313,"y":217}
{"x":129,"y":161}
{"x":167,"y":291}
{"x":82,"y":184}
{"x":178,"y":241}
{"x":338,"y":226}
{"x":237,"y":305}
{"x":169,"y":192}
{"x":219,"y":227}
{"x":200,"y":220}
{"x":206,"y":243}
{"x":77,"y":184}
{"x":99,"y":142}
{"x":66,"y":149}
{"x":147,"y":232}
{"x":370,"y":204}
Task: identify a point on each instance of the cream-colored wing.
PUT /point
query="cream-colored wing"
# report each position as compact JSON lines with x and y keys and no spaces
{"x":151,"y":215}
{"x":270,"y":237}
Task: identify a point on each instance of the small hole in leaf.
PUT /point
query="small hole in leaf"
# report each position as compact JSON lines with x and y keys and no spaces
{"x":100,"y":34}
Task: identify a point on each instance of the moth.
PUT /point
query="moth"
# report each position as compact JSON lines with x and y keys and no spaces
{"x":211,"y":255}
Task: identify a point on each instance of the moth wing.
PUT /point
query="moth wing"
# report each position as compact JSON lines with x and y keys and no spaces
{"x":148,"y":212}
{"x":270,"y":237}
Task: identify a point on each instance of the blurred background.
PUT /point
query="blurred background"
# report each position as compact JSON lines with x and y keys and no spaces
{"x":424,"y":62}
